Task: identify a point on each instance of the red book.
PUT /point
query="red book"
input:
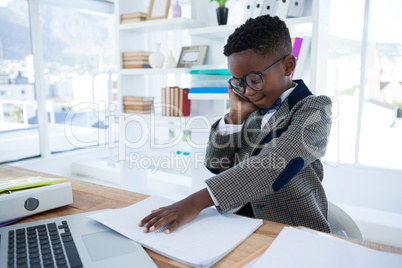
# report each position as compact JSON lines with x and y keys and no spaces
{"x":186,"y":103}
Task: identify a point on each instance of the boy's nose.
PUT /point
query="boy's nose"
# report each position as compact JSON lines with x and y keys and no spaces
{"x":248,"y":91}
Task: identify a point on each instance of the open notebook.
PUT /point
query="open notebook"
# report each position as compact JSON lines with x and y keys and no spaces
{"x":200,"y":243}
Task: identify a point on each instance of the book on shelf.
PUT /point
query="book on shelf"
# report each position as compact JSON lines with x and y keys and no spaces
{"x":133,"y":17}
{"x":185,"y":104}
{"x":296,"y":44}
{"x":175,"y":101}
{"x":164,"y":110}
{"x":222,"y":72}
{"x":123,"y":21}
{"x":139,"y":66}
{"x":136,"y":53}
{"x":214,"y":90}
{"x":302,"y":50}
{"x":135,"y":62}
{"x":135,"y":111}
{"x":136,"y":59}
{"x":140,"y":57}
{"x":138,"y":105}
{"x":137,"y":98}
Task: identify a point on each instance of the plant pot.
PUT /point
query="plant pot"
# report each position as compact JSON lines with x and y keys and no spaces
{"x":399,"y":113}
{"x":222,"y":15}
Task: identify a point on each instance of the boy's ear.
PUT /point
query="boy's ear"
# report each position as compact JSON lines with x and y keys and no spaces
{"x":289,"y":64}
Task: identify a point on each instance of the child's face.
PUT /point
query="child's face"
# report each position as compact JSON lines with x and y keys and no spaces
{"x":276,"y":80}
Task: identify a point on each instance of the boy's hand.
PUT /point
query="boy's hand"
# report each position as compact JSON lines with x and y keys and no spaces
{"x":177,"y":214}
{"x":239,"y":108}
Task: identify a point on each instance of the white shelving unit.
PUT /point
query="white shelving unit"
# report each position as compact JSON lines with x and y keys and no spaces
{"x":223,"y":31}
{"x":312,"y":23}
{"x":150,"y":71}
{"x":147,"y":82}
{"x":160,"y":25}
{"x":213,"y":32}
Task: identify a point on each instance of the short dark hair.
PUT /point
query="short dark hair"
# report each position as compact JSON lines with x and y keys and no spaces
{"x":265,"y":35}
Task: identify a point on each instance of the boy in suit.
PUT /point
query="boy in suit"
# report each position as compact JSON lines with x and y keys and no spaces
{"x":266,"y":152}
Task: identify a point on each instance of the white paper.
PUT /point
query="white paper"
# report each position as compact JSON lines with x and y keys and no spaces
{"x":201,"y":242}
{"x":297,"y":248}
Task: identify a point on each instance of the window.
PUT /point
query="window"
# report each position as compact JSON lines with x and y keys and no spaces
{"x":381,"y":130}
{"x":377,"y":138}
{"x":343,"y":77}
{"x":79,"y":60}
{"x":78,"y":70}
{"x":19,"y":136}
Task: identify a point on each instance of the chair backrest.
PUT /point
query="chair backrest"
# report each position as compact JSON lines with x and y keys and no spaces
{"x":341,"y":223}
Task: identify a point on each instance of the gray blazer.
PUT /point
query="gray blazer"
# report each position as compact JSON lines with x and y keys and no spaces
{"x":277,"y":168}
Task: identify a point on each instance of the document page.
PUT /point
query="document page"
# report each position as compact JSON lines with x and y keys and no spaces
{"x":298,"y":248}
{"x":200,"y":243}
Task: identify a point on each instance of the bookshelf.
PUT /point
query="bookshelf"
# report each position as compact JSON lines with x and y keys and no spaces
{"x":215,"y":36}
{"x":175,"y":33}
{"x":187,"y":31}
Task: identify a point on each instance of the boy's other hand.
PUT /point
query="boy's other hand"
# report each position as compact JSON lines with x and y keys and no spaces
{"x":239,"y":108}
{"x":177,"y":214}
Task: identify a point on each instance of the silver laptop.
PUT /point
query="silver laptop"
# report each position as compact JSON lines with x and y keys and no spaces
{"x":69,"y":241}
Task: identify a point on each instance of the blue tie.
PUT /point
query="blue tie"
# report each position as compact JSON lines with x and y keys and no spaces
{"x":274,"y":107}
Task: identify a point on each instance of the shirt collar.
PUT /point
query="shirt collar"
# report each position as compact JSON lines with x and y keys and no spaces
{"x":287,"y":92}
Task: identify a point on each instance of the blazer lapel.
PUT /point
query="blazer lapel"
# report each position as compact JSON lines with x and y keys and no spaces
{"x":273,"y":122}
{"x":299,"y":93}
{"x":253,"y":127}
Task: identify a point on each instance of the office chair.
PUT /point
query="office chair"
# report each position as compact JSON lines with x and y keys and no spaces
{"x":341,"y":223}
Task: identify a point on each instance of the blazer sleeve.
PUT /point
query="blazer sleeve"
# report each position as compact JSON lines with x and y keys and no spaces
{"x":279,"y":160}
{"x":221,"y":150}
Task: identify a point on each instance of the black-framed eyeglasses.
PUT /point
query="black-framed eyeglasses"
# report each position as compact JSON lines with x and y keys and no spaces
{"x":254,"y":80}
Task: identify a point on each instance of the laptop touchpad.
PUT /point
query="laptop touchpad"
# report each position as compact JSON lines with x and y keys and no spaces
{"x":107,"y":244}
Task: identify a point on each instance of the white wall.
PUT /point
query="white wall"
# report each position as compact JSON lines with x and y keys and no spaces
{"x":364,"y":186}
{"x":371,"y":196}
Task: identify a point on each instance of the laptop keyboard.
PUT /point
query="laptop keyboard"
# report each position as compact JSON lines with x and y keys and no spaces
{"x":47,"y":245}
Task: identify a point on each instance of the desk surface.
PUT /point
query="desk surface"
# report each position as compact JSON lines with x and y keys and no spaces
{"x":91,"y":197}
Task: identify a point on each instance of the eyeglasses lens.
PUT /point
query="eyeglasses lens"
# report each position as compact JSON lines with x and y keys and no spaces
{"x":237,"y":85}
{"x":255,"y":81}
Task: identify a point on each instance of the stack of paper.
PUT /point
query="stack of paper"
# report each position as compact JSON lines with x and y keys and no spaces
{"x":200,"y":243}
{"x":298,"y":248}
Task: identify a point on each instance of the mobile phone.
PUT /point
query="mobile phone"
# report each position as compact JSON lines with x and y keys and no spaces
{"x":240,"y":95}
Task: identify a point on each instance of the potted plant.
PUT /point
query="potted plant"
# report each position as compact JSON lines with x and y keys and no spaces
{"x":221,"y":12}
